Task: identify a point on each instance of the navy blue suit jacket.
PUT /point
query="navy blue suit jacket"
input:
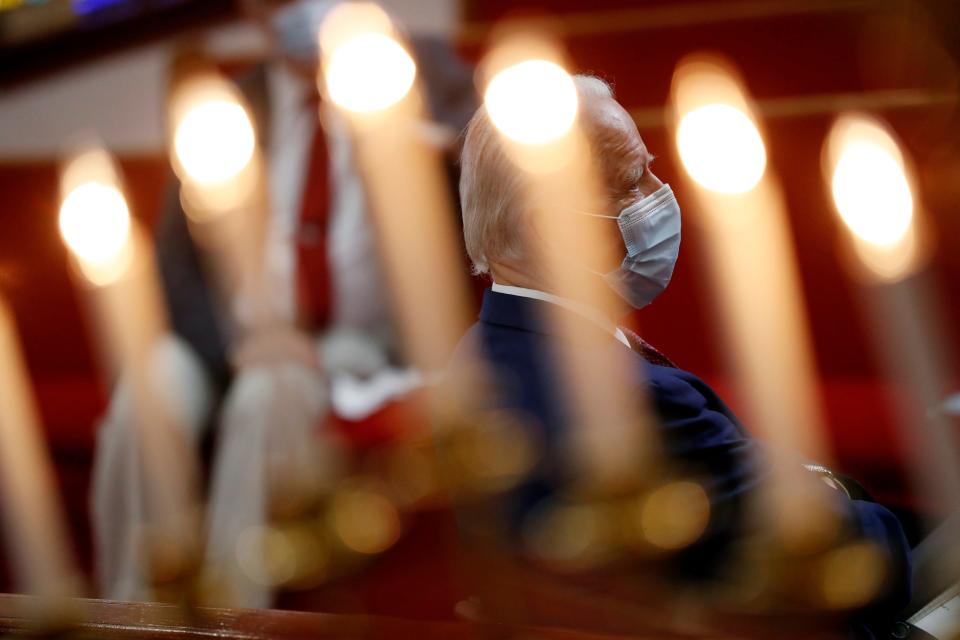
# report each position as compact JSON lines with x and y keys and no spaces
{"x":696,"y":428}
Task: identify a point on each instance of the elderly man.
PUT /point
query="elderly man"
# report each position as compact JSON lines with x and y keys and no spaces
{"x":697,"y":429}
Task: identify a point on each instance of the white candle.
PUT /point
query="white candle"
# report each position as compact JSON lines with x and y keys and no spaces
{"x":753,"y":274}
{"x":112,"y":261}
{"x":873,"y":194}
{"x":370,"y":77}
{"x":533,"y":103}
{"x":214,"y":152}
{"x":32,"y":515}
{"x":369,"y":80}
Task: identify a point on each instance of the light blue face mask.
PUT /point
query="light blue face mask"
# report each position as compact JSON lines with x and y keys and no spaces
{"x":651,"y":233}
{"x":297,"y":26}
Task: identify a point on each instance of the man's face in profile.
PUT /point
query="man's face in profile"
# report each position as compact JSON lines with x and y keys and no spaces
{"x":625,"y":165}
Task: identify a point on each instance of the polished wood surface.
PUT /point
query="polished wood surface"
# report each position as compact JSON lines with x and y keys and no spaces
{"x":557,"y":613}
{"x":117,"y":620}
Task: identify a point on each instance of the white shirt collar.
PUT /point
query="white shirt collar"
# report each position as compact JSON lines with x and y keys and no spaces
{"x":579,"y":308}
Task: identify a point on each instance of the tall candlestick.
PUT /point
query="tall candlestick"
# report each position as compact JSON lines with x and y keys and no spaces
{"x":214,"y":152}
{"x":754,"y":277}
{"x":369,"y":76}
{"x":270,"y":458}
{"x":369,"y":80}
{"x":873,"y":194}
{"x":111,"y":259}
{"x":533,"y":103}
{"x":32,"y":514}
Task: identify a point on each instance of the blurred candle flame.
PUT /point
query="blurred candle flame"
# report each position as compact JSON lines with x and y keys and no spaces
{"x":721,"y":148}
{"x":872,"y":193}
{"x":213,"y":145}
{"x":365,"y":68}
{"x":717,"y":136}
{"x":214,"y":141}
{"x":532,"y":102}
{"x":94,"y":218}
{"x":370,"y":73}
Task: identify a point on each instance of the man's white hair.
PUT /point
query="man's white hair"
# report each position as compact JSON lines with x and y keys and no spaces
{"x":492,"y":191}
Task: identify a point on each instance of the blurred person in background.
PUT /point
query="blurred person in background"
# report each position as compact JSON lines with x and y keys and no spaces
{"x":698,"y":432}
{"x":320,"y":256}
{"x":259,"y":399}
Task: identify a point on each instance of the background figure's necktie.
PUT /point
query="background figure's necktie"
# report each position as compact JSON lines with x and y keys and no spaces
{"x":645,"y":349}
{"x":313,"y":268}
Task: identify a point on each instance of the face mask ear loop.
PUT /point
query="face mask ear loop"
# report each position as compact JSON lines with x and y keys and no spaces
{"x":596,"y":215}
{"x":595,"y":272}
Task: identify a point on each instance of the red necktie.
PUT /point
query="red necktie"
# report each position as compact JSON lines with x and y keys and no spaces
{"x":647,"y":350}
{"x":313,"y":267}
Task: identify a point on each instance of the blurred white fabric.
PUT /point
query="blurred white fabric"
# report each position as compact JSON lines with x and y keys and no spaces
{"x":951,"y":406}
{"x":119,"y":494}
{"x":268,"y":430}
{"x":941,"y":618}
{"x":351,"y":351}
{"x":356,"y":398}
{"x":362,"y":380}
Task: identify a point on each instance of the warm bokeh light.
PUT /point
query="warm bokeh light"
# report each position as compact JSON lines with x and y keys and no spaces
{"x":365,"y":67}
{"x":214,"y":141}
{"x":869,"y":184}
{"x":873,"y":195}
{"x":570,"y":537}
{"x":369,"y":72}
{"x":721,"y":148}
{"x":675,"y":515}
{"x":364,"y":519}
{"x":265,"y":555}
{"x":412,"y":474}
{"x":212,"y":146}
{"x":852,"y":575}
{"x":95,"y":222}
{"x":532,"y":102}
{"x":94,"y":219}
{"x":492,"y":456}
